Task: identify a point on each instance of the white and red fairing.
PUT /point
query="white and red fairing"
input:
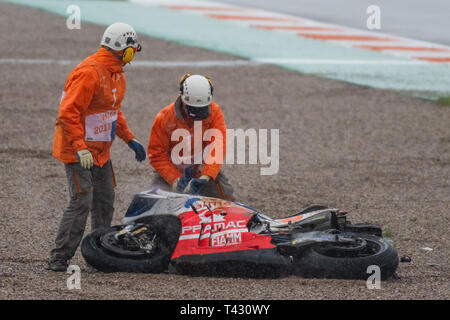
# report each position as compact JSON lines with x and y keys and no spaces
{"x":208,"y":225}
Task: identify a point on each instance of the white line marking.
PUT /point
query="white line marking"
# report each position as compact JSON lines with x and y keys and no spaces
{"x":38,"y":61}
{"x":206,"y":63}
{"x":341,"y":61}
{"x":145,"y":63}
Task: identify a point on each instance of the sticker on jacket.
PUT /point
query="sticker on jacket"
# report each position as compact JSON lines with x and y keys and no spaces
{"x":101,"y":126}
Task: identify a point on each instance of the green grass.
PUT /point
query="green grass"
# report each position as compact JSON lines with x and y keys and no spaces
{"x":387,"y":233}
{"x":444,"y":101}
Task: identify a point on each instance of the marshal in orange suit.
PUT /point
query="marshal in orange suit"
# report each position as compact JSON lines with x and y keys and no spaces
{"x":88,"y":120}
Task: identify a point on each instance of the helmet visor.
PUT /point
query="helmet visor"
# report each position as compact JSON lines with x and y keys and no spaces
{"x":198,"y":113}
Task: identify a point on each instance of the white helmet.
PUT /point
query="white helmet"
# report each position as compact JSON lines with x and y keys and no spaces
{"x":119,"y":36}
{"x":196,"y":90}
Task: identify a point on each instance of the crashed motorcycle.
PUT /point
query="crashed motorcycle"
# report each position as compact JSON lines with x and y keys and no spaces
{"x":200,"y":236}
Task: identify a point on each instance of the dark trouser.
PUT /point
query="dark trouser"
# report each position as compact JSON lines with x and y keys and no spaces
{"x":89,"y":191}
{"x":216,"y":188}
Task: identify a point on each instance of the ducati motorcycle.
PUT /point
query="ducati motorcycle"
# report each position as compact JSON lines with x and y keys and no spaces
{"x":201,"y":236}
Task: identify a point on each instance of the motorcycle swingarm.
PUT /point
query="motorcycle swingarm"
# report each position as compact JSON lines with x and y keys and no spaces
{"x":302,"y":241}
{"x":367,"y":228}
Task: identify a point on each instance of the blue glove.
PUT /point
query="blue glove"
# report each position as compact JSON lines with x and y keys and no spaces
{"x":138,"y":149}
{"x":189,"y":172}
{"x":180,"y":184}
{"x":196,"y":185}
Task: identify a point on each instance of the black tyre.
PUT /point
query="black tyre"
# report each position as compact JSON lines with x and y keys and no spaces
{"x":102,"y":256}
{"x":347,"y":262}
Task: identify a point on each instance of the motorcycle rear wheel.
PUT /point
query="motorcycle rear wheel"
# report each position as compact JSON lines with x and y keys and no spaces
{"x":346,"y":262}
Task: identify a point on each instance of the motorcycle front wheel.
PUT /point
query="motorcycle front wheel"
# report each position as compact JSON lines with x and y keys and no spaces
{"x":104,"y":251}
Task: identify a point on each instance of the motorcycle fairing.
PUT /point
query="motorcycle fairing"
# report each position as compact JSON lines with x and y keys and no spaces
{"x":223,"y":229}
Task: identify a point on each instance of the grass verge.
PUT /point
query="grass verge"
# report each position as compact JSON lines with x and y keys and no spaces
{"x":444,"y":101}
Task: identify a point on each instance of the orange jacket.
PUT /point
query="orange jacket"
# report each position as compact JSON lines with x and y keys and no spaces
{"x":160,"y":145}
{"x":89,"y":114}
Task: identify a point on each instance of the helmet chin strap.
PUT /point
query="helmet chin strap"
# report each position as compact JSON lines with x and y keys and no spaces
{"x":183,"y":109}
{"x":114,"y":53}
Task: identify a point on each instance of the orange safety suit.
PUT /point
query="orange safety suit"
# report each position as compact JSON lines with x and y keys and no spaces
{"x":160,"y":144}
{"x":89,"y":114}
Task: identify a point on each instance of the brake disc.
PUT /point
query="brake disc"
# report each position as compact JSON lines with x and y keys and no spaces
{"x":129,"y":244}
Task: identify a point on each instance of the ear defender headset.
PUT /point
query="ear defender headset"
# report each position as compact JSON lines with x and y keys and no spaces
{"x":187,"y":75}
{"x":128,"y":53}
{"x":182,"y":79}
{"x":196,"y":113}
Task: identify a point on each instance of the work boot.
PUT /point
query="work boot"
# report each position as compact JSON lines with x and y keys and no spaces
{"x":58,"y":265}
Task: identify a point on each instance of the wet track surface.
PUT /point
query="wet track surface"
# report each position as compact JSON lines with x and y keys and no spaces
{"x":418,"y":19}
